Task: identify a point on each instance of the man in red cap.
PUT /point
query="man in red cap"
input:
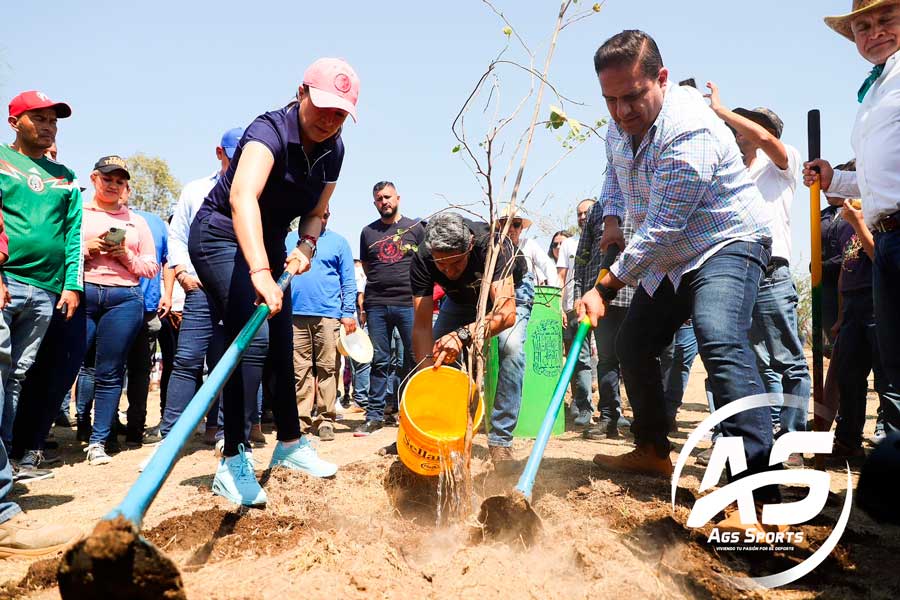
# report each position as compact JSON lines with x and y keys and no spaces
{"x":42,"y":215}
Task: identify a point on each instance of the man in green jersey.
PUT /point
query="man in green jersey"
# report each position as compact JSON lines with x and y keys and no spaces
{"x":42,"y":216}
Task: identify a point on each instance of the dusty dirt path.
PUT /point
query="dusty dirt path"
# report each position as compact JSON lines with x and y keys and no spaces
{"x":606,"y":535}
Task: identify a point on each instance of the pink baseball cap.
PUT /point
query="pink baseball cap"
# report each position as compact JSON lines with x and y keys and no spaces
{"x":333,"y":84}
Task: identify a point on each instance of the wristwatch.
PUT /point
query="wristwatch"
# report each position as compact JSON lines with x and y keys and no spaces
{"x":310,"y":243}
{"x":464,"y":336}
{"x":606,"y":293}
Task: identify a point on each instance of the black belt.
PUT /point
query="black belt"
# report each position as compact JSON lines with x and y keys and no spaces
{"x":776,"y":263}
{"x":888,"y":223}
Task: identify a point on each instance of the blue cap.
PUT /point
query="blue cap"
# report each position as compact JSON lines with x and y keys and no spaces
{"x":230,"y":141}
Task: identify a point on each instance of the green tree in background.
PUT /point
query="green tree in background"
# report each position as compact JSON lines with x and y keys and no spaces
{"x":153,"y":188}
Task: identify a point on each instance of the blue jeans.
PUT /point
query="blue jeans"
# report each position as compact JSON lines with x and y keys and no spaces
{"x":511,"y":346}
{"x":7,"y":509}
{"x":200,"y":337}
{"x":719,"y":296}
{"x":381,"y":322}
{"x":581,"y":378}
{"x":27,"y":318}
{"x":886,"y":296}
{"x":114,"y":316}
{"x":360,"y":375}
{"x":225,"y":276}
{"x":854,"y":358}
{"x":49,"y":380}
{"x":779,"y":352}
{"x":608,"y":370}
{"x":676,"y":361}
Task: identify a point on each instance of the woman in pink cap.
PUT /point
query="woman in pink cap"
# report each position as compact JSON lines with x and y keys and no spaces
{"x":285,"y":166}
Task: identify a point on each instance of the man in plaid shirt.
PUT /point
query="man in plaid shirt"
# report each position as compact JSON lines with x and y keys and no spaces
{"x":587,"y":267}
{"x":700,"y":245}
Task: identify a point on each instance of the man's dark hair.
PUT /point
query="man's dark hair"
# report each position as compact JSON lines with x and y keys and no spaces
{"x":850,"y":165}
{"x":381,"y":185}
{"x":626,"y":48}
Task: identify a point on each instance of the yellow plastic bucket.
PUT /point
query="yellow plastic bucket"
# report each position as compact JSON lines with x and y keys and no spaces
{"x":433,"y":418}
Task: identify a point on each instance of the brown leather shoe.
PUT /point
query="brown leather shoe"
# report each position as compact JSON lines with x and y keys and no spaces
{"x":642,"y":459}
{"x":732,"y":522}
{"x":20,"y":538}
{"x":256,"y":436}
{"x":501,"y":454}
{"x":209,"y":436}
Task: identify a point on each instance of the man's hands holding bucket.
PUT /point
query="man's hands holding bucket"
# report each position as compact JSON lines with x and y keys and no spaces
{"x":446,"y":349}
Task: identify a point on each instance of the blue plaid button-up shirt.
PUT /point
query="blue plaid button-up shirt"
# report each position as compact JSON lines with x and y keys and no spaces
{"x":686,"y":190}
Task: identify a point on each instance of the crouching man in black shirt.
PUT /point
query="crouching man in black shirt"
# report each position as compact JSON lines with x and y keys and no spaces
{"x":453,"y":256}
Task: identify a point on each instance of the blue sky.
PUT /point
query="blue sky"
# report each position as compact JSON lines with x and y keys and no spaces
{"x":167,"y":78}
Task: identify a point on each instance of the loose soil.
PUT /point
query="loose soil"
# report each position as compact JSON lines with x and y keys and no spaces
{"x":372,"y":532}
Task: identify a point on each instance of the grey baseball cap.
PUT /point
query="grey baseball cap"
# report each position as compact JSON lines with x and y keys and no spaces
{"x":765,"y":117}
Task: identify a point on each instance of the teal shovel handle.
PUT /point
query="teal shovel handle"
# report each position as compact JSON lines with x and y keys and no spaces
{"x":526,"y":481}
{"x":144,"y":490}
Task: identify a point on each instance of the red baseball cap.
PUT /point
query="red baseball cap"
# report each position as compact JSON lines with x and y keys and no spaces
{"x":34,"y":100}
{"x":333,"y":84}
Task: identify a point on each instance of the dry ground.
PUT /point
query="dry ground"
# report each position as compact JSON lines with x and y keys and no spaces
{"x":605,"y":535}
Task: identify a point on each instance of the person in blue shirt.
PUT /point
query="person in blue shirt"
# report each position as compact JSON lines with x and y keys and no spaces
{"x":323,"y":300}
{"x":286,"y":166}
{"x":143,"y":349}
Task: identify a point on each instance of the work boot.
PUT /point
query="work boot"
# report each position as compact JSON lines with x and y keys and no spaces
{"x":502,"y":458}
{"x":703,"y":458}
{"x":256,"y":435}
{"x":301,"y":456}
{"x":390,"y":420}
{"x":606,"y":428}
{"x":841,"y":451}
{"x":20,"y":538}
{"x":642,"y":459}
{"x":236,"y":481}
{"x":732,"y":522}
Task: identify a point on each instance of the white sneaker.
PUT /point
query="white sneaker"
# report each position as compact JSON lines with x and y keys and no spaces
{"x":96,"y":455}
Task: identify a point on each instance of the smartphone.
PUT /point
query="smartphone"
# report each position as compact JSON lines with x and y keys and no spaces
{"x":689,"y":82}
{"x":115,"y":235}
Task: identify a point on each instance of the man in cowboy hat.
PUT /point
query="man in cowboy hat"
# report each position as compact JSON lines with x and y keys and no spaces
{"x":874,"y":26}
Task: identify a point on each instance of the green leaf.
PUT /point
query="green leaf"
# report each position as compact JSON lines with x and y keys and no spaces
{"x":557,"y":117}
{"x":456,"y":148}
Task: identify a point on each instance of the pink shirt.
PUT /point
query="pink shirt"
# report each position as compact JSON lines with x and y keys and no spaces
{"x":139,"y":259}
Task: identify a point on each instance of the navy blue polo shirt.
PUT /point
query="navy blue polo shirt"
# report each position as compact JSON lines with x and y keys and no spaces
{"x":295,"y":183}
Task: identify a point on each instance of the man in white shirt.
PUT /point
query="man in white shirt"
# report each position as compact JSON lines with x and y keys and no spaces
{"x":775,"y":168}
{"x":199,"y":325}
{"x":874,"y":27}
{"x":582,"y":407}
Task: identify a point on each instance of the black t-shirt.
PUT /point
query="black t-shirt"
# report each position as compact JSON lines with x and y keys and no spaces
{"x":856,"y":266}
{"x":464,"y":290}
{"x":388,"y":252}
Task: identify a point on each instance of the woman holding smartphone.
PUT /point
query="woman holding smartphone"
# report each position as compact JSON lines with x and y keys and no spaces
{"x":285,"y":166}
{"x":118,"y":251}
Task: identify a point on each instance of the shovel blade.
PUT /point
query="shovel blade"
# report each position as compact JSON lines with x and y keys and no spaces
{"x":116,"y":562}
{"x":509,"y":519}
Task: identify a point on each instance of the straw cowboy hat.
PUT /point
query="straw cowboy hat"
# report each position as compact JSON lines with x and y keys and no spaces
{"x":516,"y":214}
{"x":841,"y":23}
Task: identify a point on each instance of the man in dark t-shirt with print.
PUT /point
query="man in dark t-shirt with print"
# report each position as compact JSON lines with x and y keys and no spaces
{"x":453,"y":256}
{"x":386,"y":249}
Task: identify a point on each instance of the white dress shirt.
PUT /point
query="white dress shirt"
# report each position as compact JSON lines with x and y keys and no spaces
{"x":876,"y":144}
{"x":189,"y":203}
{"x":567,"y":252}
